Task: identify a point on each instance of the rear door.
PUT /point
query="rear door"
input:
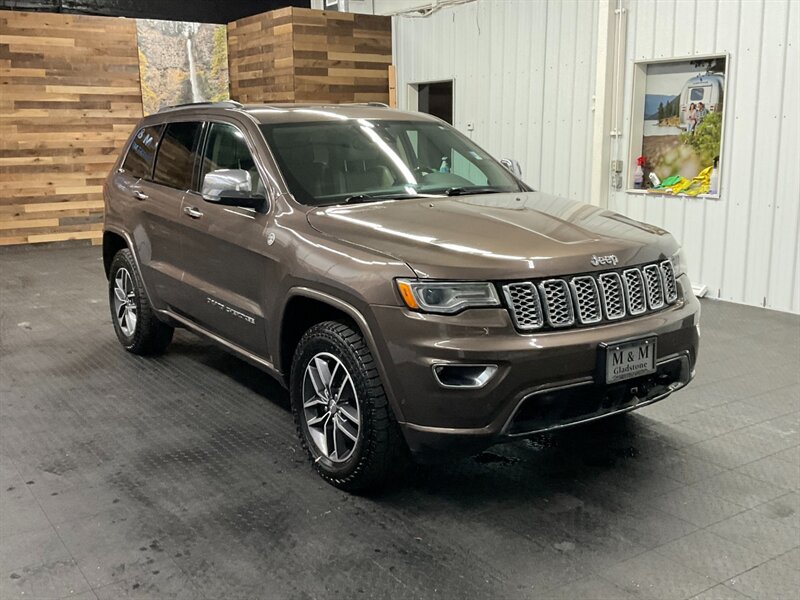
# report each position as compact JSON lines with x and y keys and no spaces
{"x":161,"y":198}
{"x":226,"y":259}
{"x":151,"y":214}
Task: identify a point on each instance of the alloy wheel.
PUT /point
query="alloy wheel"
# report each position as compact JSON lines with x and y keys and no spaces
{"x":125,"y":302}
{"x":330,"y":407}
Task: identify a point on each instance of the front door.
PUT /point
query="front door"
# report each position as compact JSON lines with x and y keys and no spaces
{"x":226,"y":258}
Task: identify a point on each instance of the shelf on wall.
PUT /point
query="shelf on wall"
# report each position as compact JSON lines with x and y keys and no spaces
{"x":663,"y":195}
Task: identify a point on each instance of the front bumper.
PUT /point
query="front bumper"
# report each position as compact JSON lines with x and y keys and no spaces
{"x":543,"y":381}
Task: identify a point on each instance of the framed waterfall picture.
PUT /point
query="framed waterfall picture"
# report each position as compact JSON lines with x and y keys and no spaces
{"x":677,"y":126}
{"x":181,"y":62}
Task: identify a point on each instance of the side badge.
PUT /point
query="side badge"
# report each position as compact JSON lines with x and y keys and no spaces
{"x":270,"y":239}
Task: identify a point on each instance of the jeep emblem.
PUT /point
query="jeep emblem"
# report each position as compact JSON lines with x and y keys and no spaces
{"x":608,"y":259}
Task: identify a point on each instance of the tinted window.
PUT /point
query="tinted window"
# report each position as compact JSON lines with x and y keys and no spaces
{"x":139,"y":161}
{"x":175,"y":162}
{"x":697,"y":94}
{"x":227,"y":149}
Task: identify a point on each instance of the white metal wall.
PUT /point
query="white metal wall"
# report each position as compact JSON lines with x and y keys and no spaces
{"x":744,"y":247}
{"x":523,"y":74}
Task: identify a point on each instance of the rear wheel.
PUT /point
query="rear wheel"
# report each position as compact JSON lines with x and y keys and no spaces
{"x":340,"y":408}
{"x":137,"y":327}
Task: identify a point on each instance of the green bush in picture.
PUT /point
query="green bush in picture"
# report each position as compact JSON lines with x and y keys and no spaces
{"x":706,"y":138}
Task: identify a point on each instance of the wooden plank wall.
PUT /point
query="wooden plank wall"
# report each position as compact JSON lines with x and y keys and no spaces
{"x":303,"y":55}
{"x":260,"y":57}
{"x":69,"y":98}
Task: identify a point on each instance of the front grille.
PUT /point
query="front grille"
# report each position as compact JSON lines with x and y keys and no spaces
{"x":655,"y":292}
{"x":612,"y":295}
{"x":591,"y":299}
{"x":668,"y":278}
{"x":528,"y":308}
{"x":634,"y":291}
{"x":557,"y":303}
{"x":587,"y":299}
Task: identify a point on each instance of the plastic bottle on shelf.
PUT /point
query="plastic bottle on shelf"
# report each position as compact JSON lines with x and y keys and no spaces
{"x":638,"y":173}
{"x":654,"y":179}
{"x":713,"y":181}
{"x":638,"y":177}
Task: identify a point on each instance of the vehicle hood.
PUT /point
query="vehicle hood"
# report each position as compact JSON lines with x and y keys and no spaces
{"x":495,"y":236}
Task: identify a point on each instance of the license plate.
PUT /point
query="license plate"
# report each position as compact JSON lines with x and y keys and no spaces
{"x":626,"y":360}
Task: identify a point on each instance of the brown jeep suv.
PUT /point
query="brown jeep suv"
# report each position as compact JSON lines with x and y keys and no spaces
{"x":410,"y":290}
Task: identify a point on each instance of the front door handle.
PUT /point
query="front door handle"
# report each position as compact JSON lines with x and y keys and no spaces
{"x":192,"y":212}
{"x":140,"y":195}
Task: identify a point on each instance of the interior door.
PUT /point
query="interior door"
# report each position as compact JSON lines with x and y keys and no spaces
{"x":226,"y":258}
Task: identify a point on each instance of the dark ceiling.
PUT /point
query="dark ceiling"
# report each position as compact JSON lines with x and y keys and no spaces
{"x":204,"y":11}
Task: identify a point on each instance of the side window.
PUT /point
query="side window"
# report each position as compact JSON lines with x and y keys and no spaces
{"x":139,"y":160}
{"x":227,"y":149}
{"x":175,"y":161}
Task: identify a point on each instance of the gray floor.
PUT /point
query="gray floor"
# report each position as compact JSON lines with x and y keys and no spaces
{"x":180,"y":477}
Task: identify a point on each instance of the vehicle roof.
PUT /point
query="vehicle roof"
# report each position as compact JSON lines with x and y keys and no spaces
{"x":285,"y":112}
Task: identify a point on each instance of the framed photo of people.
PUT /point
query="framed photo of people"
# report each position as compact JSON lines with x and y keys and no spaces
{"x":678,"y":126}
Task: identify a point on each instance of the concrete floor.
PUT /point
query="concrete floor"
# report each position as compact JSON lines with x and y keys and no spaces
{"x":180,"y":477}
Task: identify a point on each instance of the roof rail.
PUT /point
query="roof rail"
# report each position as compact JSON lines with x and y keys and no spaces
{"x":375,"y":104}
{"x":225,"y":104}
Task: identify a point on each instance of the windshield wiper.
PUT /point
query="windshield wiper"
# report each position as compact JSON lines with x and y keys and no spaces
{"x":360,"y":198}
{"x":473,"y":189}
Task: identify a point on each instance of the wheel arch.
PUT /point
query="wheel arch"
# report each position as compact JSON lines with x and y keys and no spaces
{"x":113,"y":242}
{"x":304,"y":308}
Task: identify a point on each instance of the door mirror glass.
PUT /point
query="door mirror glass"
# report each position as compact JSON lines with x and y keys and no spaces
{"x":513,"y":166}
{"x":231,"y":187}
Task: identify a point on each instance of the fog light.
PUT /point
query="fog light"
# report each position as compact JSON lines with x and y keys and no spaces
{"x":463,"y":376}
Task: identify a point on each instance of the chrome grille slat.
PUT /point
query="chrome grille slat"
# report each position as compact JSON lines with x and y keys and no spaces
{"x":668,"y":278}
{"x":655,"y":291}
{"x":593,"y":298}
{"x":611,"y":295}
{"x":527,"y":306}
{"x":634,"y":291}
{"x":587,"y":299}
{"x":557,"y":303}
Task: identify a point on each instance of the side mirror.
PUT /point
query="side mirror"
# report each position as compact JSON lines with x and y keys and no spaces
{"x":513,"y":166}
{"x":231,"y":187}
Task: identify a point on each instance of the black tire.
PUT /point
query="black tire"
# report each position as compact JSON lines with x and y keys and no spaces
{"x":380,"y":451}
{"x":148,"y":335}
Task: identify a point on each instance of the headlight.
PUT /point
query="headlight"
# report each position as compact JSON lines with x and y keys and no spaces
{"x":446,"y":296}
{"x":678,"y":264}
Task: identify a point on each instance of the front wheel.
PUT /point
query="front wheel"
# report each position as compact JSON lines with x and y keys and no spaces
{"x":137,"y":327}
{"x":340,"y":409}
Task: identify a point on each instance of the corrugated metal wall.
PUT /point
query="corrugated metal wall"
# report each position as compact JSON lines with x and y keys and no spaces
{"x":524,"y":74}
{"x":744,"y":246}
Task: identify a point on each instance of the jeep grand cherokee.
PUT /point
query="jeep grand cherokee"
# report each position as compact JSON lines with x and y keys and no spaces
{"x":410,"y":291}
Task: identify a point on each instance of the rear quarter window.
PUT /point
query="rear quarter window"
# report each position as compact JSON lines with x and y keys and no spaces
{"x":139,"y":160}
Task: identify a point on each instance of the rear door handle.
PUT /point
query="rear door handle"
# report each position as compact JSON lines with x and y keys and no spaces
{"x":140,"y":195}
{"x":192,"y":212}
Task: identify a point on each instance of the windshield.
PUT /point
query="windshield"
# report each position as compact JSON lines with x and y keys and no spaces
{"x":360,"y":160}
